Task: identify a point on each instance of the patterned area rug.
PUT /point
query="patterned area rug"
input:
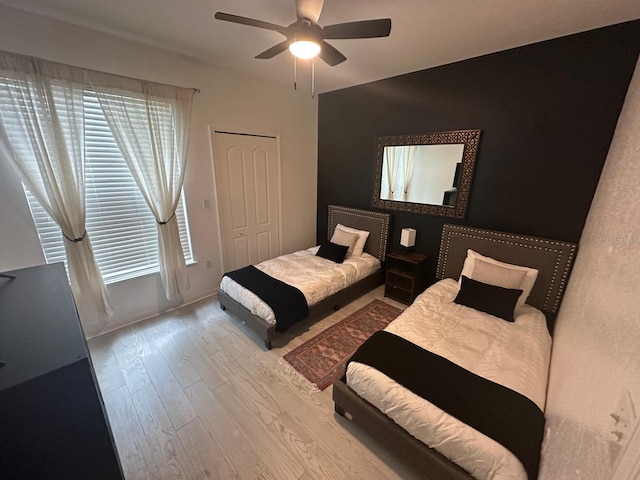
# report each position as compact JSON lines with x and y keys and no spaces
{"x":322,"y":359}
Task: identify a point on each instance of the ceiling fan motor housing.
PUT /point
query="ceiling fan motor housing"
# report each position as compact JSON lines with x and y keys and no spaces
{"x":305,"y":30}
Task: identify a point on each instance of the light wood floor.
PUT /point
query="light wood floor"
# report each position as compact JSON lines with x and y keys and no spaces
{"x":193,"y":394}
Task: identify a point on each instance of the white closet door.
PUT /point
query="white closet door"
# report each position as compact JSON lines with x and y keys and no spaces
{"x":246,"y":176}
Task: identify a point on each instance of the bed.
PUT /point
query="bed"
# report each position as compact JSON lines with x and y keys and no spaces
{"x":511,"y":354}
{"x":356,"y":276}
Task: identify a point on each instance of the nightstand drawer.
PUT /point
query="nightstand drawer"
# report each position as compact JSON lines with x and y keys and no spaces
{"x":400,"y":279}
{"x":399,"y":294}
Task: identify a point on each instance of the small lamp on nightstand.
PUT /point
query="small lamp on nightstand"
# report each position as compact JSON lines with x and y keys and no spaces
{"x":408,"y":238}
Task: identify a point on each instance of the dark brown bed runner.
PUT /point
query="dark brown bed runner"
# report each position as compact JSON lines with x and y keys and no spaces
{"x":506,"y":416}
{"x":289,"y":304}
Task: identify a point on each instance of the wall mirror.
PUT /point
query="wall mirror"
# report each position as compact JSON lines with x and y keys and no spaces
{"x":427,"y":173}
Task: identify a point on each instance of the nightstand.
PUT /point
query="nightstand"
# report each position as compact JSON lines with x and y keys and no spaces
{"x":405,"y":277}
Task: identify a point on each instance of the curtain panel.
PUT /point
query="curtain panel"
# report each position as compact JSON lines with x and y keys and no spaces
{"x":42,"y":136}
{"x":150,"y":123}
{"x":391,"y":156}
{"x":408,"y":169}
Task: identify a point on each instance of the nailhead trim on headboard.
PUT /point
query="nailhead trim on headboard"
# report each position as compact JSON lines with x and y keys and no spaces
{"x":381,"y":221}
{"x":564,"y":252}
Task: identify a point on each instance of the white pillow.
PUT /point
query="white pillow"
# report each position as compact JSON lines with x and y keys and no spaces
{"x":362,"y":239}
{"x":346,"y":239}
{"x":500,"y":274}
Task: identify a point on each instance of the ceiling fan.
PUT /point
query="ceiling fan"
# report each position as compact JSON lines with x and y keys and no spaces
{"x":306,"y":39}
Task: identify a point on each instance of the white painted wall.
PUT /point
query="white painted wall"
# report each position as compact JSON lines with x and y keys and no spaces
{"x":227,"y":100}
{"x":596,"y":350}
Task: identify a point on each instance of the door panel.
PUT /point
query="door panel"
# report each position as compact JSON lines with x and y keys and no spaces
{"x":264,"y":245}
{"x":236,"y":186}
{"x":260,"y":170}
{"x":240,"y":251}
{"x":246,"y":175}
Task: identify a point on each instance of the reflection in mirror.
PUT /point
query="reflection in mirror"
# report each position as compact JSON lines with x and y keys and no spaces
{"x":404,"y":169}
{"x":427,"y":173}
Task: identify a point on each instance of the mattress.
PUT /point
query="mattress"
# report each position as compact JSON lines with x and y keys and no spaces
{"x":515,"y":355}
{"x":316,"y":277}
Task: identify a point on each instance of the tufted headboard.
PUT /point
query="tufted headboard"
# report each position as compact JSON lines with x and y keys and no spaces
{"x":376,"y":223}
{"x":552,"y":259}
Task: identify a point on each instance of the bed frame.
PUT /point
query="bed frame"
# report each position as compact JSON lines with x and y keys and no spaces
{"x":376,"y":223}
{"x":553,"y":260}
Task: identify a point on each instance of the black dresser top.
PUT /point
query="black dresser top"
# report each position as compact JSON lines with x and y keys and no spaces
{"x":39,"y":327}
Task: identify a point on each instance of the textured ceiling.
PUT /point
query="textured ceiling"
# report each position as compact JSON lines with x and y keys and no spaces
{"x":425,"y":33}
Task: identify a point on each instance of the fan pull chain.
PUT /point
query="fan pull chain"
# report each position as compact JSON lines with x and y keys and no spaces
{"x":313,"y":77}
{"x":295,"y":73}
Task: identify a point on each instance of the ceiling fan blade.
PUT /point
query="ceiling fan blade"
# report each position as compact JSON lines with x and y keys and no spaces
{"x":228,"y":17}
{"x":362,"y":29}
{"x":273,"y":51}
{"x":310,"y":9}
{"x":330,"y":54}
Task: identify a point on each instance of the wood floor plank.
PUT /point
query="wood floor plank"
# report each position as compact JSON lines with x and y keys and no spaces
{"x":135,"y":343}
{"x":206,"y":457}
{"x":267,"y":475}
{"x":179,"y":362}
{"x":198,"y":356}
{"x":135,"y":374}
{"x":172,"y":396}
{"x":210,"y":339}
{"x":264,"y":437}
{"x":129,"y":353}
{"x":225,"y":431}
{"x":105,"y":363}
{"x":165,"y":446}
{"x":129,"y":438}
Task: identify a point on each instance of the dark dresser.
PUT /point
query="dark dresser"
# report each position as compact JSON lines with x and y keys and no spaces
{"x":52,"y":419}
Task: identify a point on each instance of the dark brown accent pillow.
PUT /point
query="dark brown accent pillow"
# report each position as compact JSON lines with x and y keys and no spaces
{"x":497,"y":301}
{"x":332,"y":251}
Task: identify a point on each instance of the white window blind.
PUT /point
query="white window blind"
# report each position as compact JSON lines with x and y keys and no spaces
{"x":123,"y":231}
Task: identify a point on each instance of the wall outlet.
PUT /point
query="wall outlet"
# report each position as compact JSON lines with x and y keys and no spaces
{"x":206,"y":204}
{"x":624,"y":422}
{"x":208,"y":264}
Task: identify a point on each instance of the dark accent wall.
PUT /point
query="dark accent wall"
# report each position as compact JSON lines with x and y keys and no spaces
{"x":547,"y":112}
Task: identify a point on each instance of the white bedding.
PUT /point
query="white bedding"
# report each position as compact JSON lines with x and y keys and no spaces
{"x":515,"y":355}
{"x":316,"y":277}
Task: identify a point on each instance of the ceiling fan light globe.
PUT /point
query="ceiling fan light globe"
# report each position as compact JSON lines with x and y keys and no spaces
{"x":305,"y":49}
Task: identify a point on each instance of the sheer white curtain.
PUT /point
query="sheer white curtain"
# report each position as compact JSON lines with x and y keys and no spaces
{"x":150,"y":123}
{"x":398,"y":170}
{"x":391,"y":156}
{"x":409,"y":153}
{"x":42,"y":136}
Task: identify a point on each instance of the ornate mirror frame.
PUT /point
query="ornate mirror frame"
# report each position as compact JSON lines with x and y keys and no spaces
{"x":470,"y":140}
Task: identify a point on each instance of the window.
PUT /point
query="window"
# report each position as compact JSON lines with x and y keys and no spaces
{"x":123,"y":231}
